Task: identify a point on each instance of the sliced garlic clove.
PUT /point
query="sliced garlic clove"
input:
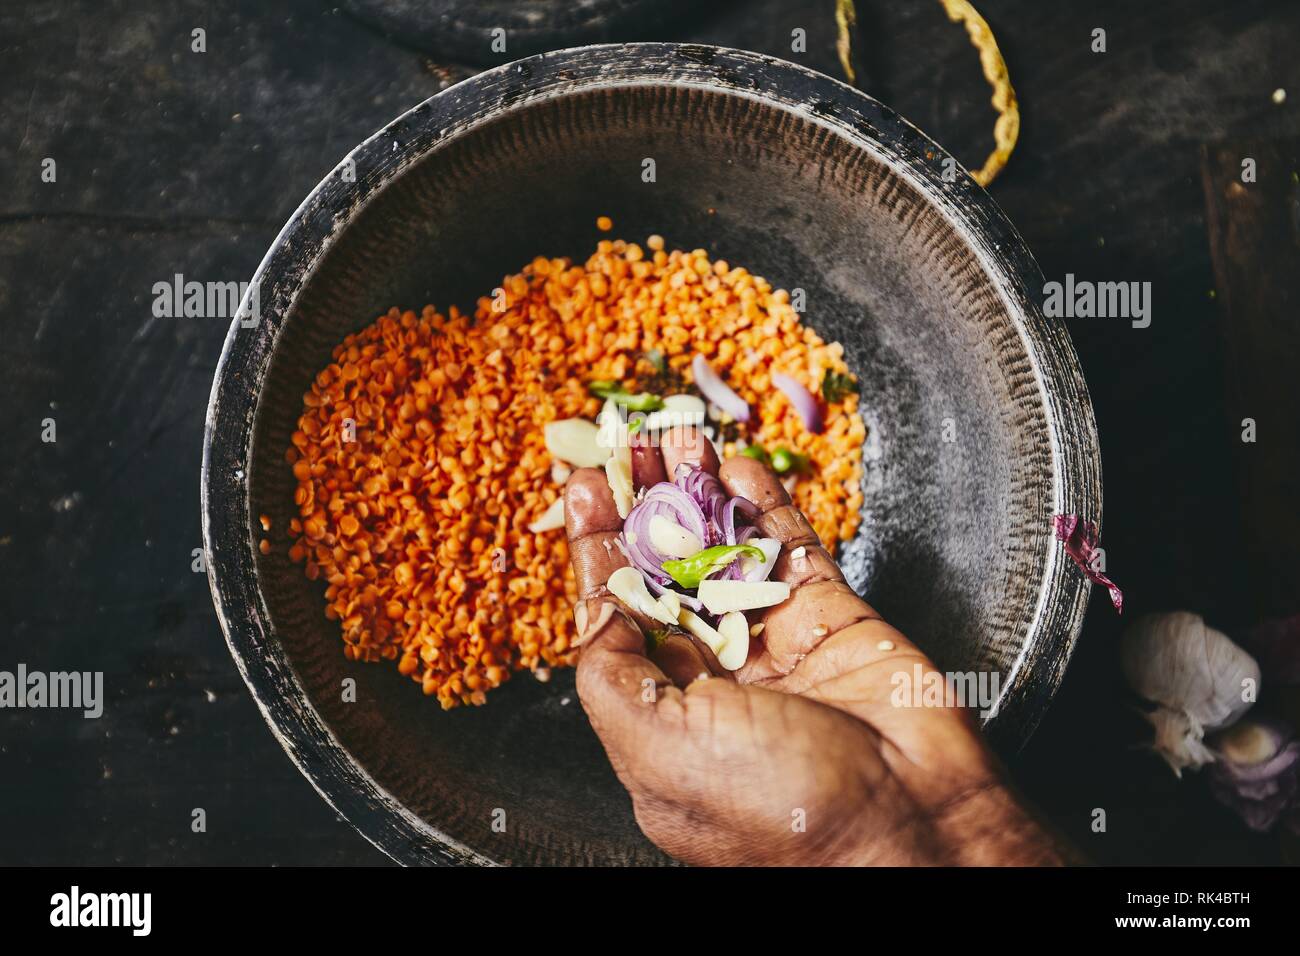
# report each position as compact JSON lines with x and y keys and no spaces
{"x":686,"y":404}
{"x":671,"y":539}
{"x":551,"y":519}
{"x":723,"y":596}
{"x":611,"y":426}
{"x":696,"y":626}
{"x":671,"y":603}
{"x":618,"y":472}
{"x":677,"y":410}
{"x":628,"y":586}
{"x":729,"y":641}
{"x":734,"y":630}
{"x":573,"y":440}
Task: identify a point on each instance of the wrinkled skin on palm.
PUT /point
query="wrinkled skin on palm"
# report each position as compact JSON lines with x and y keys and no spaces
{"x":800,"y":757}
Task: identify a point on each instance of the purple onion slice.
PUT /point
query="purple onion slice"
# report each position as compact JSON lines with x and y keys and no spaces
{"x":747,"y":507}
{"x":1079,"y":536}
{"x":804,"y":402}
{"x":697,"y":501}
{"x":717,"y":391}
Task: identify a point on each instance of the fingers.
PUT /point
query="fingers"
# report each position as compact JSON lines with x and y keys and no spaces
{"x":682,"y":658}
{"x":824,"y":625}
{"x":647,"y":462}
{"x":803,"y":560}
{"x":615,"y":678}
{"x":820,"y":603}
{"x":630,"y":699}
{"x":592,"y":523}
{"x":659,"y":739}
{"x":824,"y":642}
{"x":687,"y":444}
{"x":750,"y":478}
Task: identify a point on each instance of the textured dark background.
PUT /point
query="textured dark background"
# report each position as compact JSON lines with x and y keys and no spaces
{"x":171,"y":161}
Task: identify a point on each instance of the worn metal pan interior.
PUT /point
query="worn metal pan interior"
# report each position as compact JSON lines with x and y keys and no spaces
{"x":980,"y":423}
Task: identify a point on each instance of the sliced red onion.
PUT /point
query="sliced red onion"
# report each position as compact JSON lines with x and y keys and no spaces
{"x":717,"y":391}
{"x":697,"y":501}
{"x":707,"y":492}
{"x":635,"y":559}
{"x":804,"y":401}
{"x":673,"y":503}
{"x":1080,"y":539}
{"x":1263,"y":784}
{"x":672,"y":499}
{"x":732,"y":572}
{"x":688,"y":600}
{"x":747,"y":507}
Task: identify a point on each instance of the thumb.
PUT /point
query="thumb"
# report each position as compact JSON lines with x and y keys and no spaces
{"x":619,"y":685}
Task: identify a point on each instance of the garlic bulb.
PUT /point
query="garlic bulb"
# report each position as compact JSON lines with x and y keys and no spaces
{"x":1199,"y":677}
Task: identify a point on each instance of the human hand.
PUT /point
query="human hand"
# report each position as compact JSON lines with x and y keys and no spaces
{"x":799,"y":757}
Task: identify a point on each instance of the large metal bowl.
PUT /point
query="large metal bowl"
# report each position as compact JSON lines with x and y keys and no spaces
{"x":980,"y":424}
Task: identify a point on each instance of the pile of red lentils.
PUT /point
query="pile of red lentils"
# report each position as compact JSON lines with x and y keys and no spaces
{"x":420,"y":461}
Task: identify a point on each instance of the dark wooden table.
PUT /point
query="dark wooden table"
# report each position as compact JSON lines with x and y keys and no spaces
{"x":170,"y":161}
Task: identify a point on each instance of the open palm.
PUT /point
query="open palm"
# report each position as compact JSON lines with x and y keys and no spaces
{"x":799,"y":757}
